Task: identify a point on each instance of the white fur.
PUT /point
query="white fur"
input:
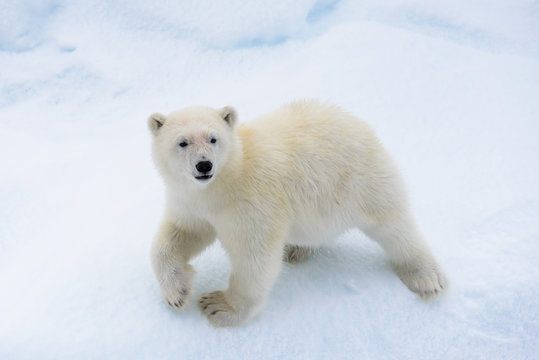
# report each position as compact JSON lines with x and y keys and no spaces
{"x":297,"y":177}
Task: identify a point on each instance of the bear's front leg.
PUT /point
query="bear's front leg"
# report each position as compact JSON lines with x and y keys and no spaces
{"x":172,"y":248}
{"x":255,"y":264}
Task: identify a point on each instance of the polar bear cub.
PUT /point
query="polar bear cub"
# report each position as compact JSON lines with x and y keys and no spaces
{"x":278,"y":187}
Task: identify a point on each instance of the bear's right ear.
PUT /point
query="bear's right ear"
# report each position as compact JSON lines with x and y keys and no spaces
{"x":155,"y":121}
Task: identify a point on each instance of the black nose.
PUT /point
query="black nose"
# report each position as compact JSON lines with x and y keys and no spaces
{"x":204,"y":166}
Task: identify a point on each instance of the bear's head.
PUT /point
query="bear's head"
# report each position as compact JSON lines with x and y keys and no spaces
{"x":192,"y":144}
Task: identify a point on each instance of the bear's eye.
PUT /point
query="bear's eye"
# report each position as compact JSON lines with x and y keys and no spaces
{"x":213,"y":140}
{"x":183,"y":144}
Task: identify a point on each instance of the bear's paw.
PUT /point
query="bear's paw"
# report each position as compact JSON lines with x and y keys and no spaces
{"x":218,"y":311}
{"x":426,"y":280}
{"x":296,"y":254}
{"x":175,"y":290}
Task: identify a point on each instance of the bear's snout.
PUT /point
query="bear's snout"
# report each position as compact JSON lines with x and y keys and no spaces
{"x":204,"y":166}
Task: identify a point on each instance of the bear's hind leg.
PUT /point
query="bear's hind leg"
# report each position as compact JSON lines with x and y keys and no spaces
{"x":410,"y":257}
{"x":294,"y":254}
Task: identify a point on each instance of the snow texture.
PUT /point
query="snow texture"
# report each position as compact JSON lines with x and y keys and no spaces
{"x":451,"y":87}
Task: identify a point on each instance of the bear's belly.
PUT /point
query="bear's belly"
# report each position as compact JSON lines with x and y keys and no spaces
{"x":316,"y":232}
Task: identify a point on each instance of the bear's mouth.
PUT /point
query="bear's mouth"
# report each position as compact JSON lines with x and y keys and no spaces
{"x":203,"y":177}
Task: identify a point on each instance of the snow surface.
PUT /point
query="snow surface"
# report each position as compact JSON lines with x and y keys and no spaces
{"x":452,"y":88}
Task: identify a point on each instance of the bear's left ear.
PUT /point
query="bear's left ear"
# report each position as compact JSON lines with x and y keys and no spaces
{"x":229,"y":115}
{"x":155,"y":121}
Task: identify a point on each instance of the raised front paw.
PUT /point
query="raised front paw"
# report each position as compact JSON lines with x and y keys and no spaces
{"x":425,"y":279}
{"x":218,"y":311}
{"x":175,"y":289}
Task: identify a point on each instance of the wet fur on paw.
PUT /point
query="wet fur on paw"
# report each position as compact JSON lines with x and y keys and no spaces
{"x":295,"y":254}
{"x":175,"y":289}
{"x":216,"y":308}
{"x":426,"y":280}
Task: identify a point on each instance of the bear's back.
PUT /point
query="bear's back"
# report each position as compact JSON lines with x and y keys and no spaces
{"x":313,"y":152}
